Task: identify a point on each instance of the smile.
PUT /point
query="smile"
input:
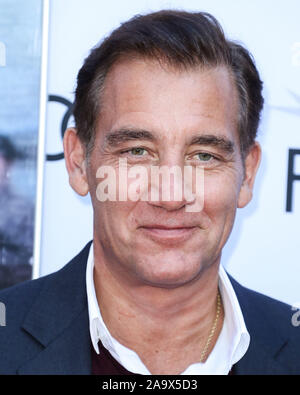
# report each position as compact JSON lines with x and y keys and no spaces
{"x":168,"y":235}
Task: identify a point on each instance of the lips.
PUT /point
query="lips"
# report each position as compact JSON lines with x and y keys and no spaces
{"x":168,"y":234}
{"x":165,"y":227}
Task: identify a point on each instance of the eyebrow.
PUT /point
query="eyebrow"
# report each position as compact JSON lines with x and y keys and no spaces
{"x":125,"y":134}
{"x":222,"y":143}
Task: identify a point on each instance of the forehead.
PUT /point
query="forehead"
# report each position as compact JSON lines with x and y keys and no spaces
{"x":146,"y":94}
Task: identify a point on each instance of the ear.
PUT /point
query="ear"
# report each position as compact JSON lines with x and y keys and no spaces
{"x":252,"y":162}
{"x":75,"y":162}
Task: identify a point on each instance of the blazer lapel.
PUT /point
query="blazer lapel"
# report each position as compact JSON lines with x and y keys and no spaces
{"x":68,"y":354}
{"x":59,"y":321}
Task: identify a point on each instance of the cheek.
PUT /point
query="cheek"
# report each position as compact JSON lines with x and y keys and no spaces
{"x":114,"y":222}
{"x":220,"y":196}
{"x":109,"y":194}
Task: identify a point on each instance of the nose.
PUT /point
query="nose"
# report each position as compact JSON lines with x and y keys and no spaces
{"x":169,"y":206}
{"x":167,"y":187}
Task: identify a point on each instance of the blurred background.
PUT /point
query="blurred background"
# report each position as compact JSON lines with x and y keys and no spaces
{"x":20,"y":67}
{"x":263,"y":252}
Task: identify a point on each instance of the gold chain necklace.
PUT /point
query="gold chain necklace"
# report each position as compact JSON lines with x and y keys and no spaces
{"x":213,"y":329}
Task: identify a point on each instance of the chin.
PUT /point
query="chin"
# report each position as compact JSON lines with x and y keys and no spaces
{"x":168,"y":275}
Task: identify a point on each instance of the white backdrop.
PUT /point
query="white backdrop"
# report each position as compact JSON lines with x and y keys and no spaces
{"x":263,"y":252}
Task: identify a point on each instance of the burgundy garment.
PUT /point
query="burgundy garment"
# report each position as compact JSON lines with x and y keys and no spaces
{"x":105,"y":364}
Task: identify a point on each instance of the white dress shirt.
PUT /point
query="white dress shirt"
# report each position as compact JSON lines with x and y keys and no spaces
{"x":232,"y":343}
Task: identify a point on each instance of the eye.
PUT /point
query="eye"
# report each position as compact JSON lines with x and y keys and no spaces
{"x":204,"y":157}
{"x":137,"y":151}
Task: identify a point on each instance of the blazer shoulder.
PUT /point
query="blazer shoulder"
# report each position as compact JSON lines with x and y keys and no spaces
{"x":274,"y":326}
{"x":257,"y":303}
{"x":33,"y":306}
{"x":15,"y":345}
{"x":262,"y":308}
{"x":19,"y":298}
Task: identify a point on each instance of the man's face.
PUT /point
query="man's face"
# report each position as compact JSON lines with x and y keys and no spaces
{"x":190,"y":118}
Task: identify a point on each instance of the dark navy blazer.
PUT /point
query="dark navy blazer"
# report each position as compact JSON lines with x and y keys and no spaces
{"x":47,"y":327}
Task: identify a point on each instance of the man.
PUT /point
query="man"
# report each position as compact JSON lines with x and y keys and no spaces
{"x":148,"y":295}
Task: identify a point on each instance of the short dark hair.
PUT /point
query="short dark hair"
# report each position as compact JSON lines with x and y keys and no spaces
{"x":182,"y":40}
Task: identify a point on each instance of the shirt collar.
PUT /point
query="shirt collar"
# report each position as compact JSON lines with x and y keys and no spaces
{"x":232,"y":342}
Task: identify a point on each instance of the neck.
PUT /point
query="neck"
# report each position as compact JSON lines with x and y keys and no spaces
{"x":144,"y":317}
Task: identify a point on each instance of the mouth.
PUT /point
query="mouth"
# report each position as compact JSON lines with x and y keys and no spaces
{"x":168,"y":235}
